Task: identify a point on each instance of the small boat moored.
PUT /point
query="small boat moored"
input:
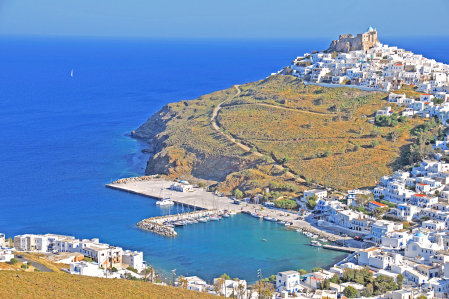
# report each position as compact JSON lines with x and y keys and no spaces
{"x":255,"y":215}
{"x":315,"y":243}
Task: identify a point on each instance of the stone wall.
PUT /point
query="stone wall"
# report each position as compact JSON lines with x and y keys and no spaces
{"x":347,"y":43}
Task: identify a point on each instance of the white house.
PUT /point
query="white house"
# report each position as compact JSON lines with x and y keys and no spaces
{"x":133,"y":259}
{"x":6,"y":255}
{"x":321,"y":194}
{"x":434,"y":225}
{"x":233,"y":287}
{"x":194,"y":283}
{"x":381,"y":227}
{"x":86,"y":269}
{"x":288,"y":281}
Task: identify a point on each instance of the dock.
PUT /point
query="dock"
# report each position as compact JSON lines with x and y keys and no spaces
{"x":340,"y":248}
{"x":198,"y":199}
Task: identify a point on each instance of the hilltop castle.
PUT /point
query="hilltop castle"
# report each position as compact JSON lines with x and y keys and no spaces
{"x":346,"y":43}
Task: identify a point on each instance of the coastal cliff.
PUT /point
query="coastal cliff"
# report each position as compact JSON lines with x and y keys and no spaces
{"x":277,"y":132}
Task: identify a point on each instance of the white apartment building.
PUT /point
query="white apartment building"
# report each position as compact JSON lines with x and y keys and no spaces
{"x":320,"y":194}
{"x":133,"y":259}
{"x":288,"y":281}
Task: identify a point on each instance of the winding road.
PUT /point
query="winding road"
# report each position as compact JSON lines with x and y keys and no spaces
{"x":213,"y":120}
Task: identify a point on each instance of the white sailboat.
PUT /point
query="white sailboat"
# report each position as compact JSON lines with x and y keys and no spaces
{"x":164,"y":201}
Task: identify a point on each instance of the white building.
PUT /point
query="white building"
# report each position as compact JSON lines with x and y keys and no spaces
{"x":320,"y":194}
{"x":181,"y":187}
{"x":133,"y":259}
{"x":230,"y":288}
{"x":288,"y":281}
{"x":6,"y":255}
{"x":422,"y":247}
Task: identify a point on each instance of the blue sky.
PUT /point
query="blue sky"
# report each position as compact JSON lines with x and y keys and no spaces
{"x":223,"y":18}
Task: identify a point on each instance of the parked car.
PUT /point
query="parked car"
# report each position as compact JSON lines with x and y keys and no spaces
{"x":20,"y":256}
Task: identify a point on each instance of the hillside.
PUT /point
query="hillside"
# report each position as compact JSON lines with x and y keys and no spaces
{"x":280,"y":130}
{"x":60,"y":285}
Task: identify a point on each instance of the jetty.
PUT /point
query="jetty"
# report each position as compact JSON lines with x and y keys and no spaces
{"x":156,"y":224}
{"x":340,"y":248}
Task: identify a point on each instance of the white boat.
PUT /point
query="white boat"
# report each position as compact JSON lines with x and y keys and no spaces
{"x":225,"y":215}
{"x":71,"y":74}
{"x":324,"y":240}
{"x":268,"y":218}
{"x":214,"y":218}
{"x":287,"y":223}
{"x":314,"y":236}
{"x":299,"y":230}
{"x":315,"y":243}
{"x":255,"y":215}
{"x":203,"y":220}
{"x":232,"y":213}
{"x":164,"y":201}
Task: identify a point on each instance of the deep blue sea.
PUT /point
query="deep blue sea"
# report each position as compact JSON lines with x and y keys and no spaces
{"x":63,"y":138}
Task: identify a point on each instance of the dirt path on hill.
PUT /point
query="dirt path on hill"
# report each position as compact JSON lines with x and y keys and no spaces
{"x":213,"y":120}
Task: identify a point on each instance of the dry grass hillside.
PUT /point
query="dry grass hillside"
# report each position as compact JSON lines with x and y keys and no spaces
{"x":60,"y":285}
{"x":318,"y":134}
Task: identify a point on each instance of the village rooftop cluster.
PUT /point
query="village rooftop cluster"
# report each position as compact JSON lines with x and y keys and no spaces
{"x":371,"y":65}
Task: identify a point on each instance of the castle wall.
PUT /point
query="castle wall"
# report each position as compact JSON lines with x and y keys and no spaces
{"x":346,"y":43}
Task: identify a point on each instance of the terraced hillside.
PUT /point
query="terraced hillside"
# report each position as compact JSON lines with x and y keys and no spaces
{"x":277,"y":129}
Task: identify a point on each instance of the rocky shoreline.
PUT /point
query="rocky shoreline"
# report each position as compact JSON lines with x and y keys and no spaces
{"x":134,"y":179}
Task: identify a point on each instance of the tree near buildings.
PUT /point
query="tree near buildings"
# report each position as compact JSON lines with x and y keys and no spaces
{"x":238,"y":194}
{"x":335,"y":279}
{"x":400,"y":280}
{"x":383,"y":284}
{"x":325,"y":285}
{"x":350,"y":292}
{"x":218,"y":286}
{"x":182,"y":282}
{"x":368,"y":291}
{"x":239,"y":290}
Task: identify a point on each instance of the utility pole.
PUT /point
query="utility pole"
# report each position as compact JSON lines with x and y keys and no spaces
{"x":259,"y":274}
{"x":146,"y":268}
{"x":174,"y":275}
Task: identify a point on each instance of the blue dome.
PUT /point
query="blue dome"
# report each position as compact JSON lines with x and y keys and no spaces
{"x":370,"y":29}
{"x":420,"y":235}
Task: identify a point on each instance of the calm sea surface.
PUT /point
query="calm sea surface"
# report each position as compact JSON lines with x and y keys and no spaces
{"x":63,"y":138}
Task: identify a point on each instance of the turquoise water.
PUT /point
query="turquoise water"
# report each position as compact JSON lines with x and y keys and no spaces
{"x":63,"y":138}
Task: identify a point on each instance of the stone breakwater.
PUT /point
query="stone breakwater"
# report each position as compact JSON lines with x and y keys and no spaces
{"x":155,"y":224}
{"x":157,"y":228}
{"x":135,"y":179}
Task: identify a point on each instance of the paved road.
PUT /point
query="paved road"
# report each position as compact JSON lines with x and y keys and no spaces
{"x":34,"y":264}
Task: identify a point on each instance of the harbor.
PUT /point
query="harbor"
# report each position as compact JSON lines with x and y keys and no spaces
{"x":200,"y":200}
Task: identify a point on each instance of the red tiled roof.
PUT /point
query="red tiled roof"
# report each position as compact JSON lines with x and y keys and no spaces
{"x":427,"y":103}
{"x":426,"y":94}
{"x":419,"y":195}
{"x":422,"y":184}
{"x":378,"y":203}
